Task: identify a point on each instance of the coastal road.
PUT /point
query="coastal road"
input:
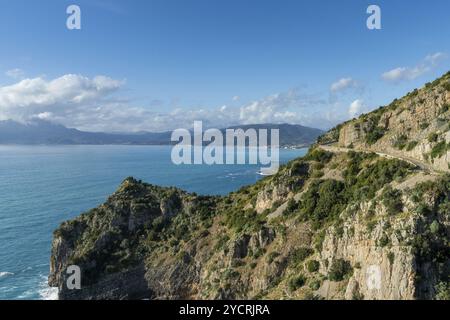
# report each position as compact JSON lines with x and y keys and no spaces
{"x":417,"y":163}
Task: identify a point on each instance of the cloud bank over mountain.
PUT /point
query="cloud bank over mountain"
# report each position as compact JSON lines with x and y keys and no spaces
{"x":97,"y":104}
{"x":101,"y":104}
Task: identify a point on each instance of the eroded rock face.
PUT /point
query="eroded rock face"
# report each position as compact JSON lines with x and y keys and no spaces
{"x":381,"y":272}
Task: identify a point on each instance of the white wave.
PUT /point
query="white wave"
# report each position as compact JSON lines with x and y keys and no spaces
{"x":46,"y":292}
{"x":6,"y":274}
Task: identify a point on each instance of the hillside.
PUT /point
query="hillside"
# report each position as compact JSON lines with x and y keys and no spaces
{"x":48,"y":133}
{"x":353,"y":219}
{"x":416,"y":126}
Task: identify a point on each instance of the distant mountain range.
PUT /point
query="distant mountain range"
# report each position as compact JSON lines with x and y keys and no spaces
{"x":48,"y":133}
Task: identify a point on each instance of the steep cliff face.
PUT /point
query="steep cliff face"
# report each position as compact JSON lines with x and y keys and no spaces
{"x":340,"y":223}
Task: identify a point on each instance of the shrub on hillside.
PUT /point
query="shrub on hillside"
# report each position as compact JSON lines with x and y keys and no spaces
{"x":339,"y":270}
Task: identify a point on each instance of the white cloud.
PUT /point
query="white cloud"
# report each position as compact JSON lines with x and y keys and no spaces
{"x":15,"y":73}
{"x":236,"y":98}
{"x":93,"y":104}
{"x":45,"y":116}
{"x":343,"y":84}
{"x":412,"y":73}
{"x":435,"y":58}
{"x":31,"y":97}
{"x":356,"y":108}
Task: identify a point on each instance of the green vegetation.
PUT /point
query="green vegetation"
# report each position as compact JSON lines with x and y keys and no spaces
{"x":339,"y":270}
{"x":363,"y":180}
{"x":296,"y":282}
{"x":443,"y":291}
{"x":447,"y":86}
{"x":238,"y":219}
{"x":424,"y":125}
{"x":433,"y":137}
{"x":383,"y":241}
{"x":323,"y":199}
{"x":291,"y":207}
{"x":272,"y":256}
{"x":401,"y":142}
{"x":315,"y":284}
{"x":392,"y":200}
{"x":300,"y":254}
{"x":439,"y":150}
{"x":331,"y":136}
{"x":374,"y":135}
{"x":411,"y":145}
{"x":431,"y":243}
{"x":312,"y":266}
{"x":319,"y":155}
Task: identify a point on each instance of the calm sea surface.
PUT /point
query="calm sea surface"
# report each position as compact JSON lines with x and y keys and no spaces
{"x":42,"y":186}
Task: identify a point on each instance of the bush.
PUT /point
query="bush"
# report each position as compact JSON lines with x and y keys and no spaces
{"x":439,"y":150}
{"x":392,"y":200}
{"x":433,"y":137}
{"x":272,"y":256}
{"x":424,"y":125}
{"x":401,"y":142}
{"x":315,"y":285}
{"x":324,"y":199}
{"x":319,"y":155}
{"x":411,"y":145}
{"x":434,"y":227}
{"x":312,"y":266}
{"x":383,"y":241}
{"x":317,"y":174}
{"x":296,"y":282}
{"x":299,"y":168}
{"x":291,"y":207}
{"x":339,"y":270}
{"x":374,"y":135}
{"x":443,"y":291}
{"x":299,"y":255}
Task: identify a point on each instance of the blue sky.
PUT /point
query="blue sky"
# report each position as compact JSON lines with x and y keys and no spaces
{"x":160,"y":64}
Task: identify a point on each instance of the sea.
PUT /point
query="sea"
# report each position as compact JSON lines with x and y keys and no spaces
{"x":42,"y":186}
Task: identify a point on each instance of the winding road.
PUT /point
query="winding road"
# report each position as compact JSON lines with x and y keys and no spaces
{"x":415,"y":162}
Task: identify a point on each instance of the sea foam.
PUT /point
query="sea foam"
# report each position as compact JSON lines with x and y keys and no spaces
{"x":6,"y":274}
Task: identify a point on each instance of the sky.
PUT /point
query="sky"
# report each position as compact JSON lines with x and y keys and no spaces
{"x":156,"y":65}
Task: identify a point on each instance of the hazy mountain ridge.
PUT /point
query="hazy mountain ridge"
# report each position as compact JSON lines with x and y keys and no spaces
{"x":44,"y":132}
{"x":339,"y":223}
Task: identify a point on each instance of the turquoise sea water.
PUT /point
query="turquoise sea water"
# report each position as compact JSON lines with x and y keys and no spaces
{"x":42,"y":186}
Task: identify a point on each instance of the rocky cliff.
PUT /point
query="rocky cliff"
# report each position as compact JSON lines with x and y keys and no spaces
{"x":345,"y":223}
{"x":416,"y":126}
